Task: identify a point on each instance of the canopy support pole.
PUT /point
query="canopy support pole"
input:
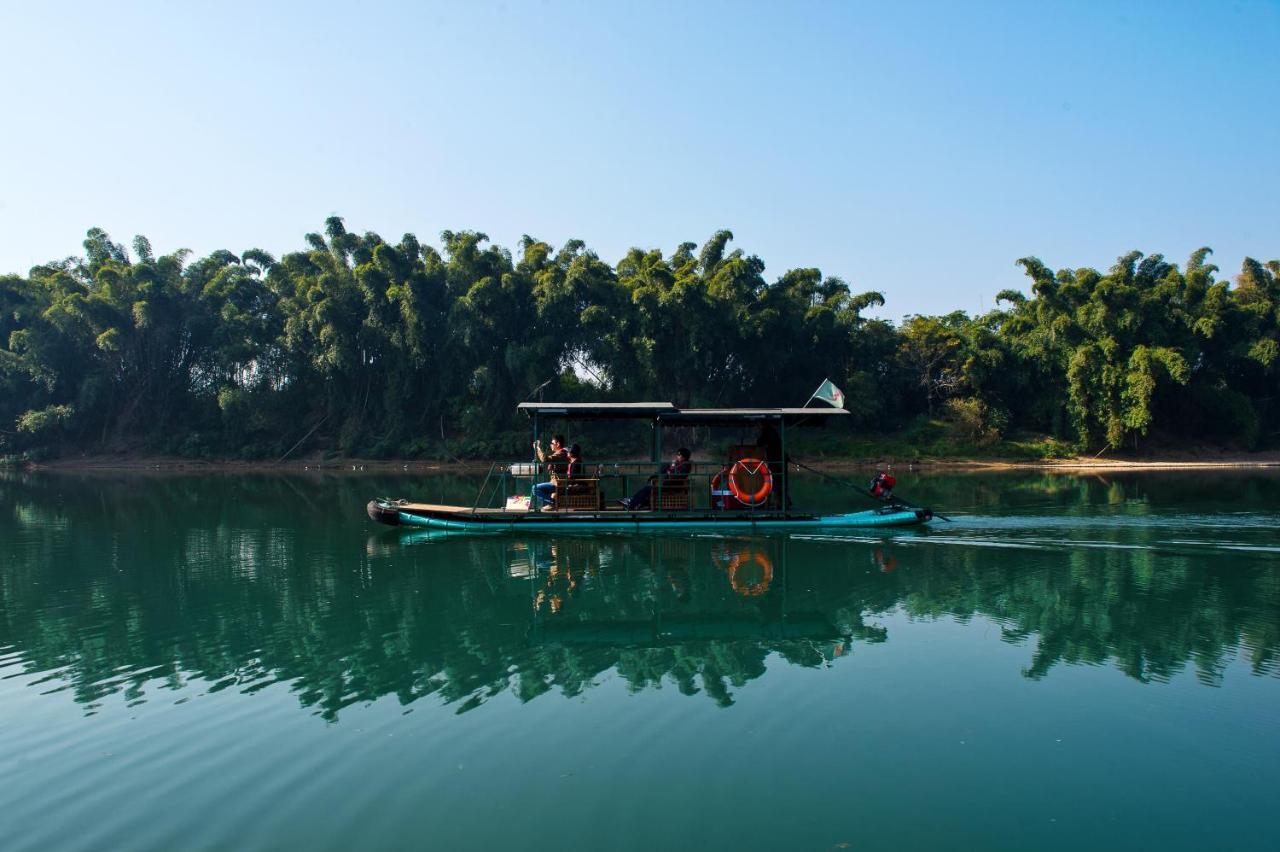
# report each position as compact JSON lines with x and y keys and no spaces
{"x":657,"y":457}
{"x":783,"y":461}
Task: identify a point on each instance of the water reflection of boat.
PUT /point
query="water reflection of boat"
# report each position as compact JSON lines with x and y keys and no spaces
{"x":750,"y":570}
{"x":748,"y":491}
{"x":686,"y":591}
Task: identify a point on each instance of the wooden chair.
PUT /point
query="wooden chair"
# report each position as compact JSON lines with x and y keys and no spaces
{"x":579,"y":493}
{"x":673,"y":493}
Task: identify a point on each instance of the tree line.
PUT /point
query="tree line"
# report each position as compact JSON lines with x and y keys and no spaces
{"x":360,"y":346}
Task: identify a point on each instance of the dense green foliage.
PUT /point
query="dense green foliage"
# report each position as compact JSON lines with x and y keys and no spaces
{"x":361,"y":346}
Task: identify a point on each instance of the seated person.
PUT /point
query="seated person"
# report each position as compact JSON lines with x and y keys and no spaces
{"x":677,"y":471}
{"x":574,"y":470}
{"x":557,"y":460}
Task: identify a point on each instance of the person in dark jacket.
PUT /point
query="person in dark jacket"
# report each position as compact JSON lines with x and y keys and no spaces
{"x":677,"y":471}
{"x":556,"y":461}
{"x":575,"y":470}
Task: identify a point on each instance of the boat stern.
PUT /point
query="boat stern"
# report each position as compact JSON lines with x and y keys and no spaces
{"x":384,"y":511}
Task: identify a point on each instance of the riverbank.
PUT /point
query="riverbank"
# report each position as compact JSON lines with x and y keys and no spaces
{"x":1075,"y":464}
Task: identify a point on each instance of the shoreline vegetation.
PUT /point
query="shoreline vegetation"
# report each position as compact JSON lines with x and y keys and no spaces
{"x":355,"y":348}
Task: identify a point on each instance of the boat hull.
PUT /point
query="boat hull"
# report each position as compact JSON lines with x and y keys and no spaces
{"x":459,"y":519}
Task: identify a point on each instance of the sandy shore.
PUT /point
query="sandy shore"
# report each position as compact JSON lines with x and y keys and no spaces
{"x":1084,"y":465}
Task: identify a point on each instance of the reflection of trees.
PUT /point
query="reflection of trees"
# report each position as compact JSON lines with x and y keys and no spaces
{"x":123,"y":587}
{"x":1106,"y":607}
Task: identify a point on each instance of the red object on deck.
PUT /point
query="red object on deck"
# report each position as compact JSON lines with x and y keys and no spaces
{"x":882,"y":486}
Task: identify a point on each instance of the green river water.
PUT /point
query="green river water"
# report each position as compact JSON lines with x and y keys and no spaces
{"x":247,"y":662}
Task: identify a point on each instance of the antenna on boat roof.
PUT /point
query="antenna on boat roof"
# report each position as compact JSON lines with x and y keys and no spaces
{"x":538,"y":390}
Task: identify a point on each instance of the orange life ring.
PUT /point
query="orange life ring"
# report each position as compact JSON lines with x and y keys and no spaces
{"x":766,"y":487}
{"x":741,"y":586}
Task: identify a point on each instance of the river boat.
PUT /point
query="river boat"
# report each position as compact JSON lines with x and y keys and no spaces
{"x":748,"y":491}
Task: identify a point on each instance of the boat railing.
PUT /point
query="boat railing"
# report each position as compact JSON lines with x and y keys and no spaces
{"x":488,"y":490}
{"x":706,"y":484}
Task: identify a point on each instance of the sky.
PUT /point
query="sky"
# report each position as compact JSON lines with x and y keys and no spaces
{"x":918,"y":149}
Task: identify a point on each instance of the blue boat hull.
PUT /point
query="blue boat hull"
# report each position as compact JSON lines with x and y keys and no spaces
{"x":535,"y":522}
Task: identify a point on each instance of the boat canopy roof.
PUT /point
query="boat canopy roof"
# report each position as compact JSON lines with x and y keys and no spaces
{"x":667,"y":412}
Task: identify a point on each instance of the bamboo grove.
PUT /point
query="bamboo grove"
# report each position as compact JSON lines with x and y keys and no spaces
{"x":367,"y":347}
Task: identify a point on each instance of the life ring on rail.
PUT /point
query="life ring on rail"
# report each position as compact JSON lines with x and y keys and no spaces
{"x":751,"y":467}
{"x":744,"y":586}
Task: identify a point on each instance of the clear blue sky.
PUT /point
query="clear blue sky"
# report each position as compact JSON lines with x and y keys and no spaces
{"x":918,"y":149}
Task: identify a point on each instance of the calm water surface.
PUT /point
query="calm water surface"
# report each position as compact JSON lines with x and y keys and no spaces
{"x":206,"y":662}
